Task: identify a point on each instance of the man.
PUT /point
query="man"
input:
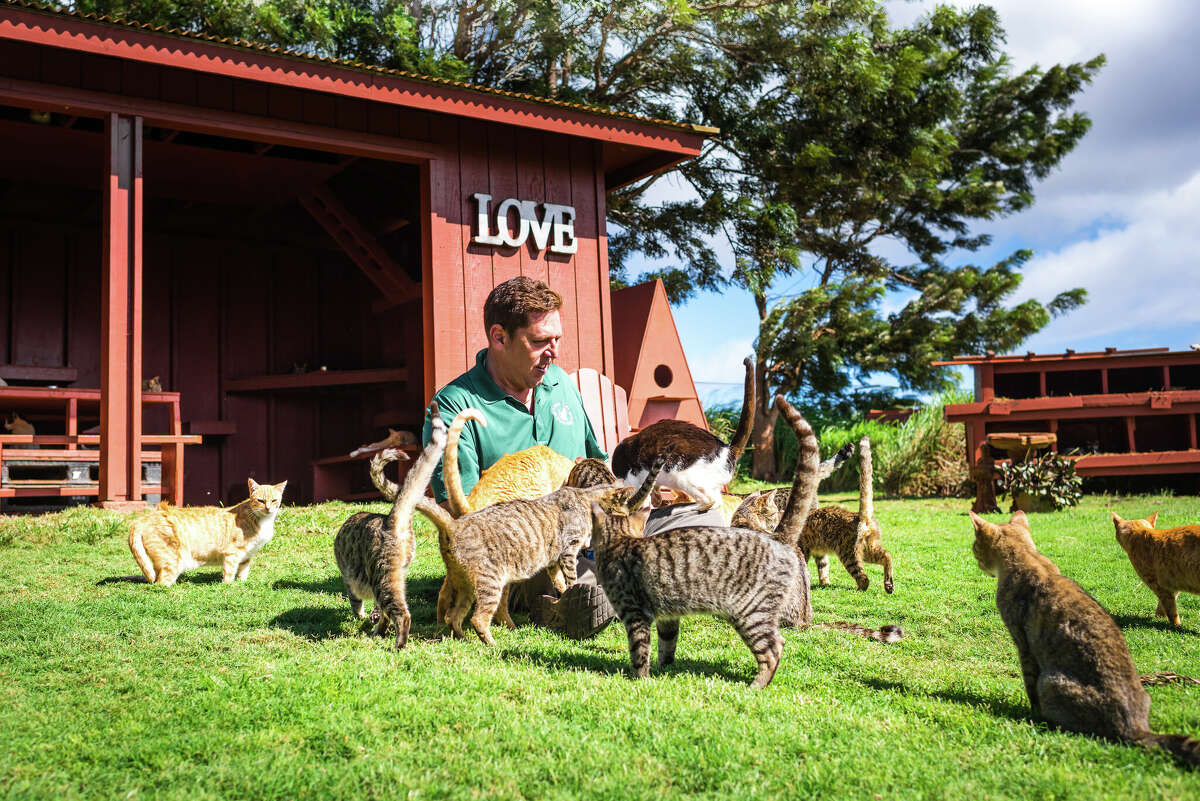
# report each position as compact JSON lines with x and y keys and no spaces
{"x":526,"y":398}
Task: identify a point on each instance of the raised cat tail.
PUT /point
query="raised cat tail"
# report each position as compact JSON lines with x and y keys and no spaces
{"x":831,"y":464}
{"x":804,"y":486}
{"x":638,"y":498}
{"x":866,"y":481}
{"x":418,"y":477}
{"x":387,"y":488}
{"x":450,"y":474}
{"x":1185,"y":749}
{"x":745,"y":425}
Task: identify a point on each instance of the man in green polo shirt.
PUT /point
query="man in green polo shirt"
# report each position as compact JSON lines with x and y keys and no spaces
{"x":526,"y":398}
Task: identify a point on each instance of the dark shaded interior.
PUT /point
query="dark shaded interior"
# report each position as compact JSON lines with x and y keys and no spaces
{"x":1060,"y":383}
{"x":1099,"y":435}
{"x":1163,"y":432}
{"x":1135,"y":379}
{"x":1017,"y":385}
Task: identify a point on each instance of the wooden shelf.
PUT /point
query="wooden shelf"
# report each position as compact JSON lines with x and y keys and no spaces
{"x":316,"y":379}
{"x":410,"y":449}
{"x":30,"y":372}
{"x":210,"y":428}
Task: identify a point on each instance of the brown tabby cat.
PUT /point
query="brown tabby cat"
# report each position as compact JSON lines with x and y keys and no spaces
{"x":697,"y":462}
{"x":530,"y":473}
{"x":739,"y":575}
{"x":152,"y":385}
{"x":166,"y":542}
{"x":590,"y":473}
{"x":1166,"y":559}
{"x":853,"y":538}
{"x":394,"y":439}
{"x":1077,"y":668}
{"x":485,"y":551}
{"x":373,"y":551}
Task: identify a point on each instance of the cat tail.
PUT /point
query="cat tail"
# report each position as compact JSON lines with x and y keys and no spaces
{"x":866,"y":481}
{"x":643,"y":492}
{"x":827,"y":467}
{"x":1185,"y":749}
{"x":804,"y":486}
{"x":387,"y":488}
{"x":450,"y":474}
{"x":888,"y":633}
{"x":138,"y":548}
{"x":418,"y":477}
{"x":741,"y":436}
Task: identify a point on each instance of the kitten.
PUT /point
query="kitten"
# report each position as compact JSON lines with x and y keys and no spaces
{"x":697,"y":462}
{"x":510,"y":541}
{"x":19,"y":425}
{"x":853,"y":538}
{"x":530,"y":473}
{"x":167,"y":541}
{"x":1166,"y":559}
{"x":394,"y":439}
{"x":373,"y":551}
{"x":1077,"y":668}
{"x":152,"y":385}
{"x":739,"y":575}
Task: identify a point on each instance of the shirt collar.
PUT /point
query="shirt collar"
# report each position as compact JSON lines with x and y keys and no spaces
{"x":487,"y":388}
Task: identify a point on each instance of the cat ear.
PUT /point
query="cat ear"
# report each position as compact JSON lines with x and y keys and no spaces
{"x":638,"y":520}
{"x":1152,"y":519}
{"x":578,"y":459}
{"x":252,"y":484}
{"x":978,"y":522}
{"x":1019,"y":518}
{"x":1117,"y":519}
{"x":280,"y":486}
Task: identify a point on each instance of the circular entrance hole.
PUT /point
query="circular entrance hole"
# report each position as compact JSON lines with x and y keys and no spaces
{"x":663,"y":376}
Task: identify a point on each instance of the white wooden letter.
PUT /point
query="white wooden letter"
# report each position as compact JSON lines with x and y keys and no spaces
{"x":502,"y":223}
{"x":482,"y":235}
{"x":540,"y":230}
{"x":564,"y":228}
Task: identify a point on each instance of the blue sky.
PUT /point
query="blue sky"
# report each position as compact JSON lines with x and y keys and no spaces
{"x":1120,"y":217}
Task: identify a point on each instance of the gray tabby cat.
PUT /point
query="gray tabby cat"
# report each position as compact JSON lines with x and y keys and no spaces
{"x":755,"y":582}
{"x":853,"y":538}
{"x":374,"y":551}
{"x":487,"y":550}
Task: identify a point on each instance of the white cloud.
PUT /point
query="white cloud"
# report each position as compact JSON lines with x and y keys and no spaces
{"x":722,"y":364}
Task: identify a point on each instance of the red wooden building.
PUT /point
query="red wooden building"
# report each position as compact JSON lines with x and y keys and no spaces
{"x":1127,"y":412}
{"x":293,"y":245}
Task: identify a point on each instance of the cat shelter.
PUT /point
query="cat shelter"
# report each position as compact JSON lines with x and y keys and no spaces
{"x":298,"y":249}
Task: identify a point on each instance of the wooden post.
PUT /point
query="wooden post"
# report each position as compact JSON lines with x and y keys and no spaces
{"x":121,"y":317}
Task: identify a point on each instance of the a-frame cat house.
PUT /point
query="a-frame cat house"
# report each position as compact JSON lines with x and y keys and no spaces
{"x":650,"y":362}
{"x":299,"y":248}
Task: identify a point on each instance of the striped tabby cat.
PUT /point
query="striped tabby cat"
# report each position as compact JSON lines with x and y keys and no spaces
{"x":741,"y":576}
{"x":853,"y":538}
{"x":373,"y":551}
{"x":485,"y":551}
{"x":1166,"y":559}
{"x":167,"y":541}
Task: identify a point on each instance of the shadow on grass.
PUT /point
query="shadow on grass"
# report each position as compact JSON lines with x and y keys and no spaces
{"x":323,"y":622}
{"x":419,"y":591}
{"x":138,"y":579}
{"x":186,"y":578}
{"x":993,"y":706}
{"x":611,"y":664}
{"x":1156,"y":623}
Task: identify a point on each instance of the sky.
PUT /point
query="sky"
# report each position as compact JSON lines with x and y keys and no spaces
{"x":1119,"y":217}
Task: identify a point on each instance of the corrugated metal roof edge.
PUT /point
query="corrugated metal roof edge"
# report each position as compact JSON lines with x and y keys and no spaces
{"x":43,"y":8}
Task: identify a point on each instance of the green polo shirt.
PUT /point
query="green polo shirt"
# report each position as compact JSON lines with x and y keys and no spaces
{"x":558,"y":420}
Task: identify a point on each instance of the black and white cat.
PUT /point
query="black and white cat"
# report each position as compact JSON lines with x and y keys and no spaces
{"x":696,"y":461}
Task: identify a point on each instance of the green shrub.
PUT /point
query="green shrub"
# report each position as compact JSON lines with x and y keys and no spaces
{"x":1050,"y":480}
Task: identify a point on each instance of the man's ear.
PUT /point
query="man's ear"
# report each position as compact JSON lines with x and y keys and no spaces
{"x":497,"y":334}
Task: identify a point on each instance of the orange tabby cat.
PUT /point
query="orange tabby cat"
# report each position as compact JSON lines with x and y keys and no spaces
{"x":526,"y":474}
{"x":1167,"y":559}
{"x":168,"y":541}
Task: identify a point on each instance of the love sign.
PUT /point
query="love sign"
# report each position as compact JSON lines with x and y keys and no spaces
{"x":555,"y":227}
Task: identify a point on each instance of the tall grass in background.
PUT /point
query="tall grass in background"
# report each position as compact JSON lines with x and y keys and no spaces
{"x":922,"y":456}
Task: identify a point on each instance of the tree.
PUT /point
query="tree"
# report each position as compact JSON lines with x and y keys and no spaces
{"x":866,"y":135}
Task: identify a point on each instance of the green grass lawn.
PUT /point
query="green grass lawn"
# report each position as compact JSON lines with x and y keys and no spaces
{"x":267,"y":689}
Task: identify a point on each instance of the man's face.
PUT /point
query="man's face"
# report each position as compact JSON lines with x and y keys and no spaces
{"x":529,"y":352}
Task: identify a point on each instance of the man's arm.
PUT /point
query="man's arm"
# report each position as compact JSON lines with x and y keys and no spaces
{"x":591,"y":445}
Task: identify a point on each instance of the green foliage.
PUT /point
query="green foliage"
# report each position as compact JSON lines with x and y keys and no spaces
{"x":1049,"y":480}
{"x":923,"y":456}
{"x":267,"y":689}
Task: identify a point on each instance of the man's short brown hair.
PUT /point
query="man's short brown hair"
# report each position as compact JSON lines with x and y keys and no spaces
{"x":510,"y":304}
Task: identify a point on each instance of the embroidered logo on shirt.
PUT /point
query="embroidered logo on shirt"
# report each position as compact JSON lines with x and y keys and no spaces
{"x":562,"y":413}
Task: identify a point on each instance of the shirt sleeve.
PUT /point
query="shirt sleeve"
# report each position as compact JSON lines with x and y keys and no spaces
{"x":468,"y":451}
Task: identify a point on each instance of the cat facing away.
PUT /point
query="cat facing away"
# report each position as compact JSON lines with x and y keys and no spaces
{"x":743,"y":577}
{"x":697,"y":462}
{"x":373,"y":551}
{"x":853,"y":538}
{"x":486,"y":550}
{"x":1076,"y":665}
{"x":168,"y":541}
{"x":1166,"y":559}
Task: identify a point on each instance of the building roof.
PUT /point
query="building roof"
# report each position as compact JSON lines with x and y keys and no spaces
{"x":179,"y":33}
{"x":1067,"y":355}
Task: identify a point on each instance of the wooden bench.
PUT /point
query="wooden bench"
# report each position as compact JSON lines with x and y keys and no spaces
{"x":606,"y":404}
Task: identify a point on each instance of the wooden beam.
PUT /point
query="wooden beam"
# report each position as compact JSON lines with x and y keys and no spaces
{"x":121,"y":316}
{"x":358,"y":243}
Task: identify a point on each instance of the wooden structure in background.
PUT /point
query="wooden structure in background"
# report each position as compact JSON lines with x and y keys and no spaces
{"x":650,"y":362}
{"x":1129,"y":412}
{"x":286,"y":241}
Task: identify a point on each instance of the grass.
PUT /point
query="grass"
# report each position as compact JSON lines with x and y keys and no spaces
{"x":267,"y":689}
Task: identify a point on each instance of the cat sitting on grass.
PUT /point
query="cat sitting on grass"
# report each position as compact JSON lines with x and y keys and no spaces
{"x":168,"y":541}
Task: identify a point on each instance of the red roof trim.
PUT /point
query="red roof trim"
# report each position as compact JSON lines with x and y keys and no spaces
{"x":180,"y":49}
{"x":1070,"y":355}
